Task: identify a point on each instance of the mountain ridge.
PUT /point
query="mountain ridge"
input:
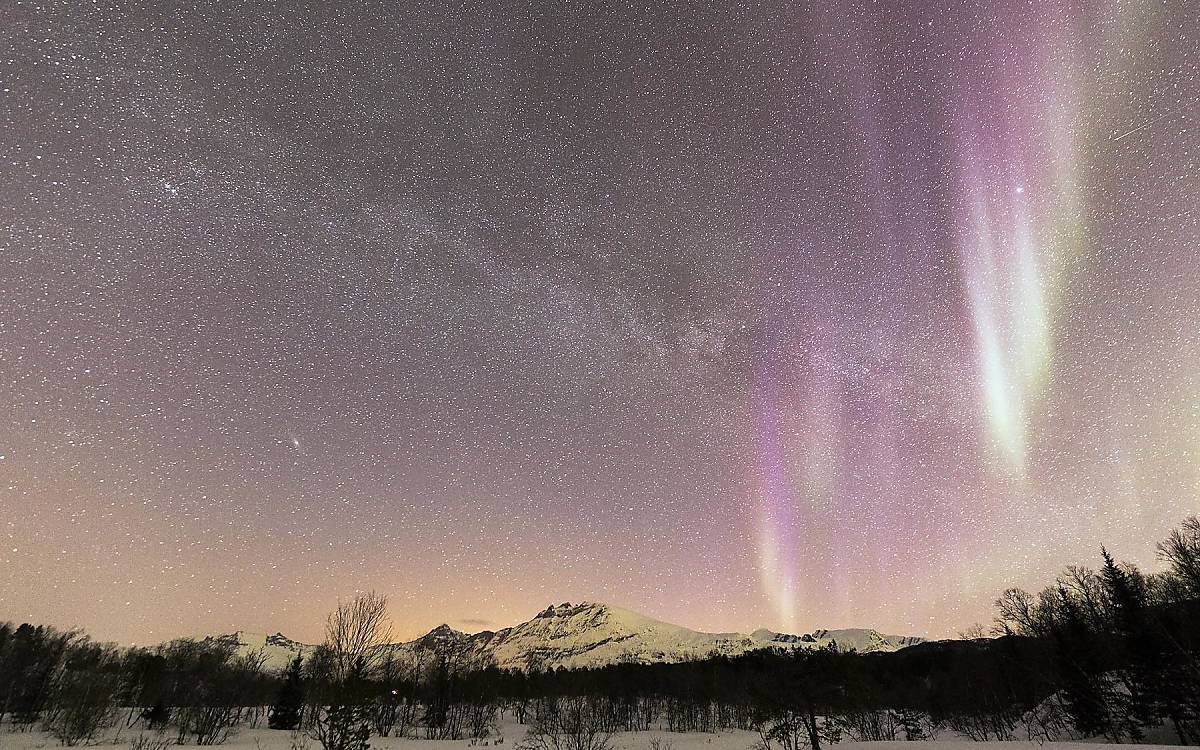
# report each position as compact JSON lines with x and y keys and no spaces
{"x":587,"y":634}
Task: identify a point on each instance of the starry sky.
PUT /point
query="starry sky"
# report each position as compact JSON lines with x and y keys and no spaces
{"x":796,"y":314}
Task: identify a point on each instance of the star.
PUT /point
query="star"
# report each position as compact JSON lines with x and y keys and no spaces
{"x":814,"y":317}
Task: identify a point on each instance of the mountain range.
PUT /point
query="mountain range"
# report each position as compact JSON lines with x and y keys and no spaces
{"x":587,"y":635}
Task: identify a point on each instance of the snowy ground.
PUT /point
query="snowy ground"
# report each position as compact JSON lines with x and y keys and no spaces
{"x":266,"y":739}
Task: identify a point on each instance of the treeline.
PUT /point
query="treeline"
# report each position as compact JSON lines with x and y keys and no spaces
{"x":72,"y":687}
{"x":1111,"y":652}
{"x":1125,"y":644}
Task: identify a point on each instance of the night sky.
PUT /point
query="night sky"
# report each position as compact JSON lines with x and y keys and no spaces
{"x":795,"y":315}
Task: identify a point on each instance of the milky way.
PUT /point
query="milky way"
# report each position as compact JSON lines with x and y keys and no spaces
{"x":792,"y":315}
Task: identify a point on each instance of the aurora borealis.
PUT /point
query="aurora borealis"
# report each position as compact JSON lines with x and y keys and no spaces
{"x":794,"y":315}
{"x":992,"y":174}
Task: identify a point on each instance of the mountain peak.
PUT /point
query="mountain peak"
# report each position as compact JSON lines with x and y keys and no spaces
{"x":281,"y":640}
{"x":566,"y":609}
{"x":444,"y":632}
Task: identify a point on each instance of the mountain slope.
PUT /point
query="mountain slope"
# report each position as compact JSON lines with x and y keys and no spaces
{"x":277,"y":650}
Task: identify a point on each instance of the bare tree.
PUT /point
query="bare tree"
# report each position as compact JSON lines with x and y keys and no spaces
{"x":357,"y":629}
{"x":1087,"y":589}
{"x":1181,"y":549}
{"x":1017,"y":612}
{"x":86,"y":703}
{"x":356,"y":636}
{"x":569,"y":723}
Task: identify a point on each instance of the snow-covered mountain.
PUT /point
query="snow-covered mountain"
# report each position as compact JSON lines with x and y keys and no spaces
{"x":592,"y":635}
{"x":277,"y":650}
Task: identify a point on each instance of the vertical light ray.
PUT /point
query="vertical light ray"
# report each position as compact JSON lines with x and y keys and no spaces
{"x":986,"y":280}
{"x":796,"y":423}
{"x":1018,"y":226}
{"x":777,"y":553}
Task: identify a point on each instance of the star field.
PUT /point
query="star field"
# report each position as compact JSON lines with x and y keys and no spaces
{"x":792,"y":315}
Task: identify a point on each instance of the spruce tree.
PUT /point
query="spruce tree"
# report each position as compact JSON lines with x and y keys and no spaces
{"x":285,"y":714}
{"x":1137,"y":642}
{"x":346,"y":725}
{"x":1087,"y":696}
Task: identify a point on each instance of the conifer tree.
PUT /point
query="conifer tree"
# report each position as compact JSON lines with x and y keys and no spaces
{"x":285,"y":714}
{"x":1138,"y":641}
{"x":347,"y":723}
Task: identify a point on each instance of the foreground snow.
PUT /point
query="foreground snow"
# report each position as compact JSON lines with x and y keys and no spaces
{"x":246,"y":738}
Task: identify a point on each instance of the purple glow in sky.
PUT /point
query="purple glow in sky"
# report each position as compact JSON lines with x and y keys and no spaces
{"x":793,"y":315}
